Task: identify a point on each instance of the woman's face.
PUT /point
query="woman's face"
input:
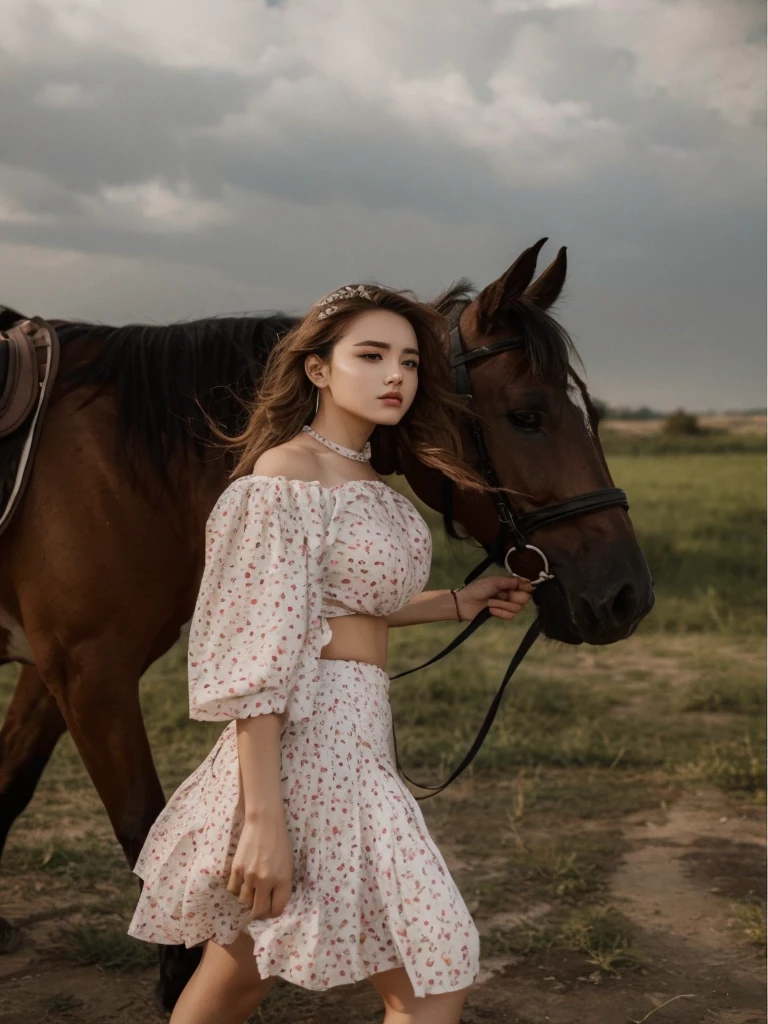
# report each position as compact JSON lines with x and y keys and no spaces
{"x":379,"y":354}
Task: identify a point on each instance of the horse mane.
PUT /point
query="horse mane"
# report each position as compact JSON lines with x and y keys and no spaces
{"x":459,"y":294}
{"x":158,"y":371}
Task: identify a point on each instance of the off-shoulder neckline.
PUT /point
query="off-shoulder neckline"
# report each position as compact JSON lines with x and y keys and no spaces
{"x":316,"y":483}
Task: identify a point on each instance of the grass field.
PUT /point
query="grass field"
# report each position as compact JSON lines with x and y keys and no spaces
{"x":608,"y":839}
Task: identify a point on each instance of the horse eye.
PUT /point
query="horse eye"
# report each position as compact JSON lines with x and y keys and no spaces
{"x":525,"y":419}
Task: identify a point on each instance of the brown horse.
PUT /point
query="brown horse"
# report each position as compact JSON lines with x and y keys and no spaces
{"x":100,"y":568}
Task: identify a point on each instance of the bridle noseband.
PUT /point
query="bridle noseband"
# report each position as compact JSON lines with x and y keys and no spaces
{"x":518,"y":526}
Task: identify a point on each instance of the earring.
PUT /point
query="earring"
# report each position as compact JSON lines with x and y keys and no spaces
{"x":317,"y":399}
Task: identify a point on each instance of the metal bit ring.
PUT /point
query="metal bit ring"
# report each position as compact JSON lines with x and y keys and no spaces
{"x":544,"y":574}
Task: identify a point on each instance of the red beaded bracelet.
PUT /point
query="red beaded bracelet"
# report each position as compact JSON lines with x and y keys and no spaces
{"x":456,"y":602}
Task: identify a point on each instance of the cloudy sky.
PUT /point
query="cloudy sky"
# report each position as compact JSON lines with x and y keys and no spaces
{"x":167,"y":159}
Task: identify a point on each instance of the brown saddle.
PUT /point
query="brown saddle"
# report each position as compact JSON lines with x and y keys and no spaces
{"x":29,"y":356}
{"x":29,"y":363}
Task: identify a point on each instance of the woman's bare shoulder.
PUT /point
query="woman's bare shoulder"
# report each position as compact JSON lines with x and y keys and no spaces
{"x":300,"y":464}
{"x":288,"y":461}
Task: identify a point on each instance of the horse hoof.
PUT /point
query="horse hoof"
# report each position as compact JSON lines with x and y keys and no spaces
{"x":10,"y":936}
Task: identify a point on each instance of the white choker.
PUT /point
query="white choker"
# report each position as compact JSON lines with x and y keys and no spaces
{"x":363,"y":455}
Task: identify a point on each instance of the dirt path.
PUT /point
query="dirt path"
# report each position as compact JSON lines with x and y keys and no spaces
{"x":610,"y":883}
{"x":682,"y":873}
{"x":677,"y":883}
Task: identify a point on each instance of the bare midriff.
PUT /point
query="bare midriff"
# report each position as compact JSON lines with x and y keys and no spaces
{"x":358,"y":638}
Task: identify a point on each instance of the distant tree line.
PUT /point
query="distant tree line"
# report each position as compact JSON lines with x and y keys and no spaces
{"x":675,"y":423}
{"x":621,"y":412}
{"x":644,"y":412}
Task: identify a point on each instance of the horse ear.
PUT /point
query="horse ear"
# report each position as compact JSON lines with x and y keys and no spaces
{"x":493,"y":299}
{"x":548,"y":285}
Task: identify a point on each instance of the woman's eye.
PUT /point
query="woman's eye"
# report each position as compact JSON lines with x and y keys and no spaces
{"x":525,"y":419}
{"x":377,"y":355}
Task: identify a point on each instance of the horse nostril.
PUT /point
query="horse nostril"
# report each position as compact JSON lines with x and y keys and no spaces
{"x":590,"y":620}
{"x":623,"y":603}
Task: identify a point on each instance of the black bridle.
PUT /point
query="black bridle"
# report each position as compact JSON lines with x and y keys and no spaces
{"x":518,"y":526}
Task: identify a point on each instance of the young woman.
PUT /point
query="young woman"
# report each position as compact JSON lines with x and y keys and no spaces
{"x":295,"y":850}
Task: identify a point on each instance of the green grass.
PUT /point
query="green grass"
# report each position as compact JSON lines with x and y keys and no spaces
{"x":605,"y":936}
{"x":612,"y":708}
{"x":601,"y":934}
{"x":749,"y":920}
{"x":589,"y":795}
{"x":526,"y":939}
{"x":62,"y":1005}
{"x":719,"y":692}
{"x":562,"y":873}
{"x":736,"y":765}
{"x":700,"y":521}
{"x":516,"y":871}
{"x":108,"y":947}
{"x":584,"y":736}
{"x":84,"y":860}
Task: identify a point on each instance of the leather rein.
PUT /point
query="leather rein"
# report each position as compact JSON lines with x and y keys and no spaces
{"x":518,"y":526}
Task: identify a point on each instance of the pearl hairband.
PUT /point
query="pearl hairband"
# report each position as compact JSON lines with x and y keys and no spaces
{"x":349,"y":291}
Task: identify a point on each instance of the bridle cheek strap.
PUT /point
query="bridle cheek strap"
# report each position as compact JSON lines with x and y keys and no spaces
{"x":517,"y":526}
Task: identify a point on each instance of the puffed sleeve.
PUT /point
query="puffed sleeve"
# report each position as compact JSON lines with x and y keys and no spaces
{"x":257,"y":629}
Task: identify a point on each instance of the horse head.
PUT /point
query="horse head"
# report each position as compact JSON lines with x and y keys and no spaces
{"x":536,"y":435}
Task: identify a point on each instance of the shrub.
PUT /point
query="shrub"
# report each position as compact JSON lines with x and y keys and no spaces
{"x":681,"y":423}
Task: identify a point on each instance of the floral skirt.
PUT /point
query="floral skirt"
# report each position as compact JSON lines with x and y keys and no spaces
{"x":370,"y":889}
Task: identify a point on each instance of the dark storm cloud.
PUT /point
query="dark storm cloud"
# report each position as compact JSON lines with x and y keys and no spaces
{"x":140,"y":121}
{"x":664,"y":227}
{"x":134,"y":127}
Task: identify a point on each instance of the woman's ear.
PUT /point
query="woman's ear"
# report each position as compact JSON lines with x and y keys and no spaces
{"x":315,"y":368}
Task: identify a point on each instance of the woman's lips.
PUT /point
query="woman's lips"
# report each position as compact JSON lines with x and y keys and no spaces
{"x":391,"y":401}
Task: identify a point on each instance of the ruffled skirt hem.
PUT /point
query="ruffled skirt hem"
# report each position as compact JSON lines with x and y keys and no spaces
{"x":371,"y":890}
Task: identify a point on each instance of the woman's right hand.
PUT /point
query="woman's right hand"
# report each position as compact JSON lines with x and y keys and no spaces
{"x":262,"y":869}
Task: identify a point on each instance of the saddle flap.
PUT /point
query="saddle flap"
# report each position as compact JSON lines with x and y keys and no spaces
{"x":21,"y":390}
{"x":31,"y":347}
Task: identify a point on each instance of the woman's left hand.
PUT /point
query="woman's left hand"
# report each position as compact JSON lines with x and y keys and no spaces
{"x":505,"y":596}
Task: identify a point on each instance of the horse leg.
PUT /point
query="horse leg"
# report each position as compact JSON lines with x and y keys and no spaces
{"x":106,"y":725}
{"x":102,"y":571}
{"x":32,"y":726}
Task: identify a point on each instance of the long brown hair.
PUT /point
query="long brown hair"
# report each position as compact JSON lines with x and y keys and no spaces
{"x":284,"y":400}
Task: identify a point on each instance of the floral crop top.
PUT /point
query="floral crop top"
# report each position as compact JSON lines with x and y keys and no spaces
{"x":281,"y":558}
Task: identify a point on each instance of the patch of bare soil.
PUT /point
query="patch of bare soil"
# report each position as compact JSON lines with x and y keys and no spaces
{"x":682,"y":870}
{"x":677,"y":883}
